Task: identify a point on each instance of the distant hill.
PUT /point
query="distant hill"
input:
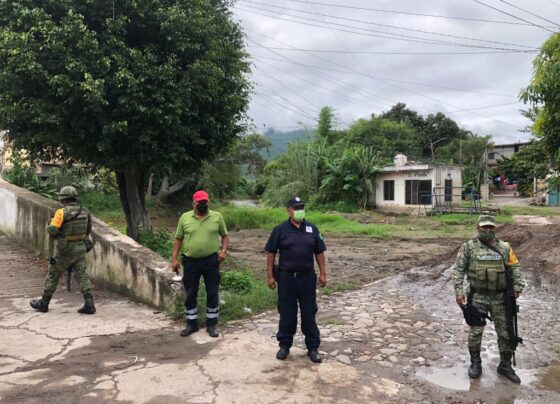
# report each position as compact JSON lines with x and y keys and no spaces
{"x":280,"y":140}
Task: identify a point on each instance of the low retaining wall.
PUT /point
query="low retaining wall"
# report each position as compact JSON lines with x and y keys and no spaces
{"x":116,"y":262}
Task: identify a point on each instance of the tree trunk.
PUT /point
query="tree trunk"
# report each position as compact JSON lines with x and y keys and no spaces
{"x":166,"y":190}
{"x":132,"y":195}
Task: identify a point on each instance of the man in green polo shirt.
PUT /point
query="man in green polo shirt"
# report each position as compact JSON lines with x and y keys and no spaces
{"x":198,"y":239}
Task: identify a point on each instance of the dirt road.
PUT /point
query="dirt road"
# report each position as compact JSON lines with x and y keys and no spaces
{"x":398,"y":338}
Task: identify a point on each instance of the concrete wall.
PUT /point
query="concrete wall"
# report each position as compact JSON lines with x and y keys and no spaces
{"x":400,"y":175}
{"x":116,"y":263}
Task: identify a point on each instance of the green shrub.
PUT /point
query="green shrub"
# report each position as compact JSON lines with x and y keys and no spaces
{"x":160,"y":242}
{"x":237,"y":282}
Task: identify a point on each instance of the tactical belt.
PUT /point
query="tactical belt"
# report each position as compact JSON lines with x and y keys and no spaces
{"x":487,"y":292}
{"x":79,"y":237}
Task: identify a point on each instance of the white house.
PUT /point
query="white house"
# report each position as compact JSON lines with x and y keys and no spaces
{"x":406,"y":186}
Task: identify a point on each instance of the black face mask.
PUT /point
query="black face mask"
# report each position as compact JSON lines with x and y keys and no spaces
{"x":202,"y":207}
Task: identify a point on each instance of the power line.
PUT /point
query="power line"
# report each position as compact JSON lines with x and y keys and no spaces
{"x":313,"y":89}
{"x":408,"y":13}
{"x":528,"y":12}
{"x":511,"y":15}
{"x":347,"y":71}
{"x":522,"y":51}
{"x":313,"y":70}
{"x":385,"y":25}
{"x":401,"y":37}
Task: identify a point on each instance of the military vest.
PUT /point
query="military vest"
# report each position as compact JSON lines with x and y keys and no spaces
{"x":75,"y":223}
{"x":486,"y":267}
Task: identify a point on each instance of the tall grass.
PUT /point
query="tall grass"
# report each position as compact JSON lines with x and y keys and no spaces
{"x":267,"y":218}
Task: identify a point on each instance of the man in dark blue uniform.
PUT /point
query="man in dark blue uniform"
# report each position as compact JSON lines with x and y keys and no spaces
{"x":298,"y":242}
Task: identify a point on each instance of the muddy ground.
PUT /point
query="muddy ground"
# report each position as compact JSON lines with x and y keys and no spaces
{"x":356,"y":261}
{"x":403,"y":334}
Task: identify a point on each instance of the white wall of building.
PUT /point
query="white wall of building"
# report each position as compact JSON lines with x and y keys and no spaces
{"x":400,"y":175}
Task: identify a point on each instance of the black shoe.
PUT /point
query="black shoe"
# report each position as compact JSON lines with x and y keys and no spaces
{"x":314,"y":356}
{"x":211,"y":329}
{"x":188,"y":331}
{"x":282,"y":353}
{"x":39,"y":305}
{"x":508,"y":372}
{"x":87,"y":309}
{"x":475,"y":370}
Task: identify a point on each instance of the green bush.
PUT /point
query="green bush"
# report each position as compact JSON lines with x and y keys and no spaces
{"x":25,"y":177}
{"x":237,"y":282}
{"x":161,"y":242}
{"x":75,"y":176}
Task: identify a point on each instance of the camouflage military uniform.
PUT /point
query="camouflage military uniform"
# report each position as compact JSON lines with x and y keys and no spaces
{"x":69,"y":247}
{"x":485,"y":273}
{"x":70,"y":228}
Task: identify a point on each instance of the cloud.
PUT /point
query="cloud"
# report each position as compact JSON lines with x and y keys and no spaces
{"x":294,"y":80}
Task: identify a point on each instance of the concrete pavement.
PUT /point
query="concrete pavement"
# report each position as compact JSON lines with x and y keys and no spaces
{"x":397,"y":340}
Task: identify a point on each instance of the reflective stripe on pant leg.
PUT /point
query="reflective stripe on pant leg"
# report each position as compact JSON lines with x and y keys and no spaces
{"x":211,"y":275}
{"x":191,"y":280}
{"x":191,"y":315}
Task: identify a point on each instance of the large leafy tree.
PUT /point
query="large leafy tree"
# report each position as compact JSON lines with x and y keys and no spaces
{"x":543,"y":92}
{"x":134,"y":86}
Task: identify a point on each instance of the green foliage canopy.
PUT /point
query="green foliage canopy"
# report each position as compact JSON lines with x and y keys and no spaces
{"x":144,"y":86}
{"x":543,"y":92}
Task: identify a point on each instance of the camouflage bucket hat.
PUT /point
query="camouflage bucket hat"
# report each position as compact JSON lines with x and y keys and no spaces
{"x":486,"y":220}
{"x":67,"y":192}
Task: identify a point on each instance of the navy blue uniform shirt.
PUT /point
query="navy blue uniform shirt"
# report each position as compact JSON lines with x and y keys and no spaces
{"x":297,"y":246}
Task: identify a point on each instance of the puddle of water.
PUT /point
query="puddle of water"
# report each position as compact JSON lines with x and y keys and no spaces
{"x":549,"y":379}
{"x":457,"y":378}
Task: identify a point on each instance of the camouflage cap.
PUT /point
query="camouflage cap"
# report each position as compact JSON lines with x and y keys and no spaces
{"x":486,"y":220}
{"x":67,"y":192}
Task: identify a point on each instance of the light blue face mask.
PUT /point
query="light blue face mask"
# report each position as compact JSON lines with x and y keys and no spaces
{"x":299,"y":215}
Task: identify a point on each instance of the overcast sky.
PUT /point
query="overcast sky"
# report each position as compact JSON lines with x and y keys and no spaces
{"x":361,"y":57}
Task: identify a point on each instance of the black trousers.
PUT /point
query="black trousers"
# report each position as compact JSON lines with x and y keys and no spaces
{"x":209,"y":269}
{"x":293,"y":289}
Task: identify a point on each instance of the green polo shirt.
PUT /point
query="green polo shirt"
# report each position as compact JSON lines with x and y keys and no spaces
{"x":200,"y":236}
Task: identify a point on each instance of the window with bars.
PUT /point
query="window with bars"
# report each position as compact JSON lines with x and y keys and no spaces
{"x":389,"y":190}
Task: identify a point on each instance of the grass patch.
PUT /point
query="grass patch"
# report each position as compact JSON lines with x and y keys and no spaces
{"x":531,"y":210}
{"x":241,"y":296}
{"x":267,"y":218}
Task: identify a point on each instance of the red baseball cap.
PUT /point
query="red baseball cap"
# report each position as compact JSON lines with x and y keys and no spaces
{"x":200,"y":196}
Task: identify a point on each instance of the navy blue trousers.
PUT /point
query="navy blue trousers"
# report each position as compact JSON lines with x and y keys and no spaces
{"x":293,"y":289}
{"x":209,"y":269}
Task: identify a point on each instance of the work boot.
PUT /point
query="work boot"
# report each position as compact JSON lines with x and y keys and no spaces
{"x":41,"y":304}
{"x":89,"y":307}
{"x":475,"y":369}
{"x":505,"y":369}
{"x":283,"y":353}
{"x":189,"y":329}
{"x":314,"y":355}
{"x":211,"y":330}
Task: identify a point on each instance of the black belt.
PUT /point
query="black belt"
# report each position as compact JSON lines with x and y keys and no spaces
{"x":297,"y":274}
{"x":184,"y":257}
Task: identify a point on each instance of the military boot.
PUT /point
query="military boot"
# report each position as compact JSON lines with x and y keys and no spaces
{"x":505,"y":369}
{"x":476,"y":365}
{"x":89,"y":307}
{"x":41,"y":304}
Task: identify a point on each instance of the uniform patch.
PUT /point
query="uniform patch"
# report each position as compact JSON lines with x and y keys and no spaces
{"x":58,"y":219}
{"x":512,"y":258}
{"x":488,"y":258}
{"x":309,"y":229}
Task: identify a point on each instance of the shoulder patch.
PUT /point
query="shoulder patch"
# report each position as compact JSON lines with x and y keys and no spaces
{"x":512,"y":258}
{"x":58,"y":219}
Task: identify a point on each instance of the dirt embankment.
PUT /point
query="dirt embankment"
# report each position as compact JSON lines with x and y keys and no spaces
{"x":355,"y":261}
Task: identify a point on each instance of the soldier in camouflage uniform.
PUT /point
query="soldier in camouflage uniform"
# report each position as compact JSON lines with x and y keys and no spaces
{"x":485,"y":273}
{"x":70,"y":228}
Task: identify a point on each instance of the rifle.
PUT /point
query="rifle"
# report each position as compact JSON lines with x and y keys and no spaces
{"x":511,"y":306}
